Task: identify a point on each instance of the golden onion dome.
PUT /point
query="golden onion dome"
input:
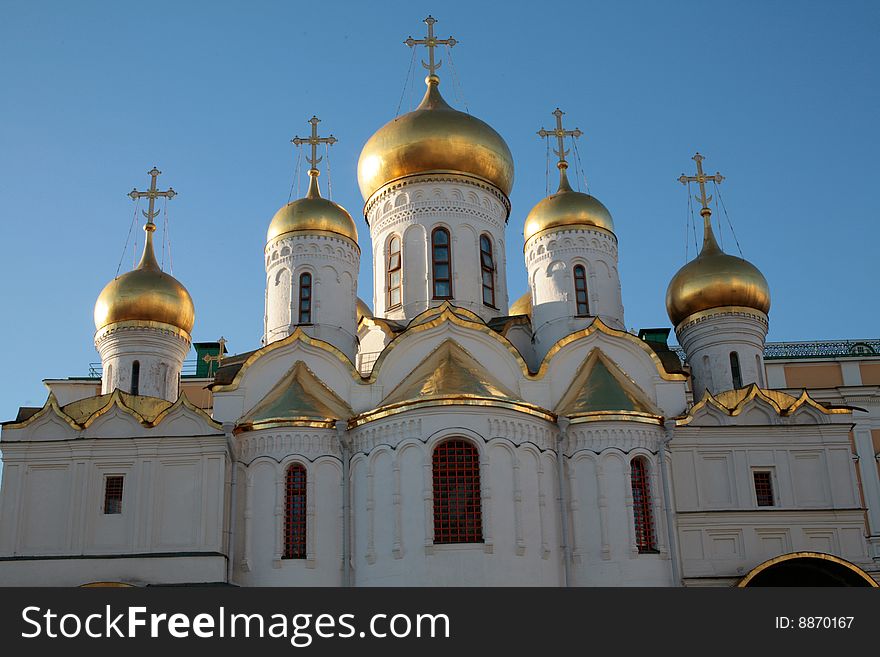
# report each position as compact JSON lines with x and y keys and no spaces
{"x":312,"y":214}
{"x":363,"y":310}
{"x":567,"y":208}
{"x":434,"y":138}
{"x":715,"y":279}
{"x":145,"y":295}
{"x":522,"y":306}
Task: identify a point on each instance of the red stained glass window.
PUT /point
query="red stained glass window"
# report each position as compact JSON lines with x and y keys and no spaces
{"x":763,"y":488}
{"x":295,"y":512}
{"x":113,"y":495}
{"x":642,"y":512}
{"x":458,"y":515}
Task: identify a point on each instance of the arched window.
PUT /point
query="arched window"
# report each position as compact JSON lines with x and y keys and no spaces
{"x":295,"y":512}
{"x":487,"y":265}
{"x":136,"y":377}
{"x":458,"y":514}
{"x":580,"y":291}
{"x":441,"y":264}
{"x":641,"y":492}
{"x":735,"y":371}
{"x":305,"y":298}
{"x":394,"y":273}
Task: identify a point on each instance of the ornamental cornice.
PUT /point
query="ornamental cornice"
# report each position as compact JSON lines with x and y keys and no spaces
{"x":396,"y":185}
{"x":550,"y":252}
{"x":554,"y":232}
{"x":153,"y":329}
{"x":309,"y":443}
{"x":624,"y":438}
{"x":723,"y":311}
{"x":410,"y":212}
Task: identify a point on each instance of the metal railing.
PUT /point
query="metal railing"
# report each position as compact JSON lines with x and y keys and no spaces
{"x":813,"y":349}
{"x":366,"y":360}
{"x":772,"y":351}
{"x":189,"y":369}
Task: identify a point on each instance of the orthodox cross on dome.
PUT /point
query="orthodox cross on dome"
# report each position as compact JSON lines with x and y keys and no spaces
{"x":561,"y":133}
{"x":210,"y":360}
{"x":431,"y":42}
{"x":313,"y":141}
{"x":702,"y":179}
{"x":152,"y":194}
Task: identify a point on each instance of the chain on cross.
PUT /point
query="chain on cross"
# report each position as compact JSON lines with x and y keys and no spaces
{"x":431,"y":42}
{"x":560,"y":133}
{"x":152,"y":194}
{"x":702,"y":179}
{"x":313,"y":141}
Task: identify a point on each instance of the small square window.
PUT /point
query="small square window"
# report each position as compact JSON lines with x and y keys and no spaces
{"x":113,"y":495}
{"x":763,"y":487}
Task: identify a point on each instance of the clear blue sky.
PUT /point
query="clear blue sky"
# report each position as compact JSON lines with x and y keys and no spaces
{"x":781,"y":97}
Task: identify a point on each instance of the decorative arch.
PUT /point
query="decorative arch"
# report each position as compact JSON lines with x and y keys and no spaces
{"x":295,"y":511}
{"x":807,"y":569}
{"x":643,"y":505}
{"x":457,"y":492}
{"x":487,"y":270}
{"x":441,"y":263}
{"x":394,"y":271}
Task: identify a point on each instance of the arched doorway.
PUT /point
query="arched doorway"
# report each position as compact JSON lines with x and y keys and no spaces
{"x":807,"y":569}
{"x":105,"y":585}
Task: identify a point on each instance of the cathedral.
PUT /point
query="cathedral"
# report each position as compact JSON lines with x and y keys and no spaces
{"x":443,"y":435}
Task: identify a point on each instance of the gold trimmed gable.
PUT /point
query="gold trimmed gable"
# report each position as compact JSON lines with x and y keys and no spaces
{"x":733,"y":402}
{"x":81,"y":414}
{"x":299,"y":399}
{"x":601,"y":388}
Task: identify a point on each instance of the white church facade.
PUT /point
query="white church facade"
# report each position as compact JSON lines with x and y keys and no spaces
{"x":447,"y":437}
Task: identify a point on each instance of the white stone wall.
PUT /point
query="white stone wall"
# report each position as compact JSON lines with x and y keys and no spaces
{"x":333,"y":263}
{"x":392,"y":497}
{"x":264,"y":457}
{"x":603,"y":538}
{"x":724,"y":533}
{"x":159,"y":352}
{"x":550,"y":260}
{"x":709,"y":338}
{"x":412,"y":209}
{"x":51,"y":504}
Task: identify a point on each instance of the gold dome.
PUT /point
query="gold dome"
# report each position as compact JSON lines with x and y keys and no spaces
{"x":146,"y":294}
{"x":715,"y":279}
{"x":363,"y":310}
{"x":522,"y":306}
{"x":567,"y":208}
{"x":434,"y":138}
{"x":312,"y":213}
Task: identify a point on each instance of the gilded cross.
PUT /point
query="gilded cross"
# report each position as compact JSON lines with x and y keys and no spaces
{"x":152,"y":194}
{"x":208,"y":358}
{"x":560,"y":133}
{"x":431,"y":42}
{"x":702,"y":179}
{"x":313,"y":141}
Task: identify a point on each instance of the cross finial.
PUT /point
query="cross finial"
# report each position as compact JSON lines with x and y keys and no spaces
{"x":208,"y":358}
{"x":431,"y":42}
{"x":560,"y":133}
{"x":152,"y":194}
{"x":313,"y":141}
{"x":702,"y":179}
